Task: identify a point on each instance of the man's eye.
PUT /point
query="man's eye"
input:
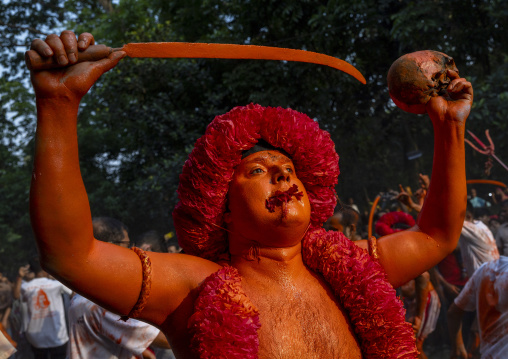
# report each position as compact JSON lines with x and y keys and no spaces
{"x":289,"y":170}
{"x":256,"y":170}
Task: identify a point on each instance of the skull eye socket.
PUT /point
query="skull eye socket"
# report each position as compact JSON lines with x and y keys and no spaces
{"x":439,"y":76}
{"x":441,"y":81}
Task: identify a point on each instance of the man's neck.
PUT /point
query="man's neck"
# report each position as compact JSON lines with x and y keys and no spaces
{"x":274,"y":264}
{"x":41,"y":274}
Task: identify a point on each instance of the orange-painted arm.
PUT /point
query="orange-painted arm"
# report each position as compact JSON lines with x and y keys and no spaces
{"x":59,"y":208}
{"x":405,"y":255}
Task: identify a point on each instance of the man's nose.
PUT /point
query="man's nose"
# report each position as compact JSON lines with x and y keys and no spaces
{"x":280,"y":175}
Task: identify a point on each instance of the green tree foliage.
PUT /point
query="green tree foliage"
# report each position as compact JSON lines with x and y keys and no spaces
{"x":139,"y":122}
{"x":16,"y":119}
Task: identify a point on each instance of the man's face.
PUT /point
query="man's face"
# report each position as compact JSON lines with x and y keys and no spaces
{"x":256,"y":180}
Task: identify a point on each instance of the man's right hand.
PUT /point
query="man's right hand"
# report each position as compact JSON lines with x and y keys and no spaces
{"x":455,"y":105}
{"x":72,"y":80}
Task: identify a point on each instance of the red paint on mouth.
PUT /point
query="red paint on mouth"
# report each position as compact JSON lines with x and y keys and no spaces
{"x":280,"y":198}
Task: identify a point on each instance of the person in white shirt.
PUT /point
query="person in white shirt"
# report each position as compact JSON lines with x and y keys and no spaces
{"x":477,"y":244}
{"x":47,"y":328}
{"x":486,"y":294}
{"x":98,"y":333}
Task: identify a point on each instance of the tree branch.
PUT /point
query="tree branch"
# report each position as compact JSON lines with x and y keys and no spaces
{"x":27,"y":28}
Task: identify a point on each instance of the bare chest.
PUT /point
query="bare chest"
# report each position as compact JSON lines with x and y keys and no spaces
{"x":303,"y":323}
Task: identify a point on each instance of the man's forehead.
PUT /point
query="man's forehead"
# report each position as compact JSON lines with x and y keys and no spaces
{"x":264,"y":156}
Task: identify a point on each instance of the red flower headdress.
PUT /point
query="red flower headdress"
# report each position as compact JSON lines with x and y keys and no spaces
{"x":357,"y":280}
{"x":204,"y":182}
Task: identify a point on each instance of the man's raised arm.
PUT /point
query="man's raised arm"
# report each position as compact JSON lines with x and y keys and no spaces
{"x":59,"y":208}
{"x":405,"y":255}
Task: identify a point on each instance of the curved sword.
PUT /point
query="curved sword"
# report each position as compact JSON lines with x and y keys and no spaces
{"x":199,"y":50}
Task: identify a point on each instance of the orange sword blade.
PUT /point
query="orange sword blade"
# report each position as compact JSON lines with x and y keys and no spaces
{"x":230,"y":51}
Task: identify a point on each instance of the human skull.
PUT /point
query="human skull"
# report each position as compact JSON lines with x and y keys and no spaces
{"x":416,"y":77}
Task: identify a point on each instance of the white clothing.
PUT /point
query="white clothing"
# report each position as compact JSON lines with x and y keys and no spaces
{"x":46,"y":314}
{"x":477,"y":246}
{"x":502,"y":239}
{"x":430,"y":315}
{"x":487,"y":293}
{"x":6,"y":348}
{"x":98,"y":333}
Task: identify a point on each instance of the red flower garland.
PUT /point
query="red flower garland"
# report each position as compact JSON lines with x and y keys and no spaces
{"x":358,"y":281}
{"x":360,"y":284}
{"x":224,"y":320}
{"x":384,"y":225}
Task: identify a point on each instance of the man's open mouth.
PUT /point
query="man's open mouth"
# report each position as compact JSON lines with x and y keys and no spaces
{"x":281,"y":198}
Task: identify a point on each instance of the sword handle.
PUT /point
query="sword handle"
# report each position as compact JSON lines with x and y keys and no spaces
{"x":36,"y":62}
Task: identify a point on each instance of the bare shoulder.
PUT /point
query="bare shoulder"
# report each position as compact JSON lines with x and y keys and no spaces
{"x":175,"y":278}
{"x":194,"y":269}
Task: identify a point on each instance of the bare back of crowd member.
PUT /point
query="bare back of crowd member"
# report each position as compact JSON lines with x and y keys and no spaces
{"x":47,"y":328}
{"x":299,"y":316}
